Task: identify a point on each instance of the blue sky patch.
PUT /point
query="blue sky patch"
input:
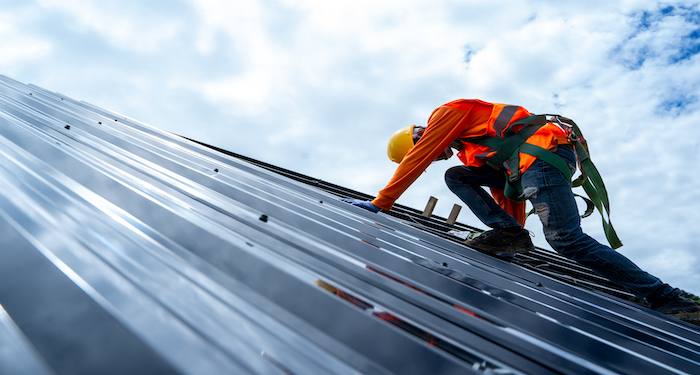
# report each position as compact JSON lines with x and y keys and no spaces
{"x":468,"y":54}
{"x":675,"y":103}
{"x":644,"y":43}
{"x":689,"y":47}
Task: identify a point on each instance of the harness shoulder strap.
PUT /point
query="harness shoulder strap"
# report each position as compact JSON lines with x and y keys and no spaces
{"x":510,"y":145}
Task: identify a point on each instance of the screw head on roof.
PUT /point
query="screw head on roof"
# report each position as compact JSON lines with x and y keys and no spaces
{"x":67,"y":127}
{"x":539,"y":284}
{"x":263,"y":218}
{"x":99,"y":122}
{"x":216,"y":170}
{"x":445,"y":264}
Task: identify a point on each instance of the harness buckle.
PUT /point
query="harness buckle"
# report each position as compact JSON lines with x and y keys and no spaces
{"x":513,"y":177}
{"x":566,"y":127}
{"x":552,"y":118}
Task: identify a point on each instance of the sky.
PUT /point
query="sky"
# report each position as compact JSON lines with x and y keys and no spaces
{"x":318,"y":87}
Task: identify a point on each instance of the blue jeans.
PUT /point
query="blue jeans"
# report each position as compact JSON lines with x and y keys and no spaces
{"x":551,"y":196}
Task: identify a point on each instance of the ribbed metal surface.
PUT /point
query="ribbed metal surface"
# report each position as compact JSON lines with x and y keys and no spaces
{"x":543,"y":261}
{"x":126,"y":249}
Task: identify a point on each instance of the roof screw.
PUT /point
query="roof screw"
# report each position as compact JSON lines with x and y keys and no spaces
{"x":115,"y":119}
{"x":216,"y":170}
{"x":320,"y":202}
{"x":263,"y":218}
{"x":99,"y":122}
{"x":539,"y":284}
{"x":67,"y":127}
{"x":445,"y":264}
{"x":30,"y":93}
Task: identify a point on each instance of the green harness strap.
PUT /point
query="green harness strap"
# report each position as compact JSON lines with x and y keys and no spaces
{"x":593,"y":184}
{"x":512,"y":144}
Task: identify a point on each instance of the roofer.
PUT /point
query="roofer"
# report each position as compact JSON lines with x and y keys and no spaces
{"x":482,"y":132}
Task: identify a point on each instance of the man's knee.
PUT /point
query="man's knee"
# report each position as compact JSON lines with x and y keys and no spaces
{"x":453,"y":175}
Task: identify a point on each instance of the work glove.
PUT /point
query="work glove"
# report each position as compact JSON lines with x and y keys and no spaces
{"x":367,"y":205}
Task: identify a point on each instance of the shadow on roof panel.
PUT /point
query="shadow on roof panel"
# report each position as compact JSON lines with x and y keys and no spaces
{"x":124,"y":241}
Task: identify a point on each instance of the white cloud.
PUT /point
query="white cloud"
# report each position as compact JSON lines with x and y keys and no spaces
{"x":16,"y":47}
{"x":120,"y":22}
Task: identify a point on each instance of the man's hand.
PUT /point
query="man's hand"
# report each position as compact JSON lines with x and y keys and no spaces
{"x":446,"y":154}
{"x":367,"y":205}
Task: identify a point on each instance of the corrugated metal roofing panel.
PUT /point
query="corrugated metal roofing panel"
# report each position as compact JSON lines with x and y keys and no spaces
{"x":122,"y":241}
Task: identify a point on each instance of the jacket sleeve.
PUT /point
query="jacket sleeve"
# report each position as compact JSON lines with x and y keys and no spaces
{"x":445,"y":125}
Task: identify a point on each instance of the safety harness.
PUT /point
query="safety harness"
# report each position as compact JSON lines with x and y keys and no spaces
{"x":509,"y":144}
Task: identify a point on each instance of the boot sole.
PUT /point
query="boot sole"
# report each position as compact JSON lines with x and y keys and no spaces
{"x":502,"y":250}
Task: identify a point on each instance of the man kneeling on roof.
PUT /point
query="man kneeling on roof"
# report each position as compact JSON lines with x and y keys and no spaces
{"x":538,"y":155}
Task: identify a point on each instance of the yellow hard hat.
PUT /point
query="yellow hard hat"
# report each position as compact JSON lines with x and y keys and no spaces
{"x":400,"y":144}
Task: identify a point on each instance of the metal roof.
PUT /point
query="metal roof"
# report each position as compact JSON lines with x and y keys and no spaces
{"x":128,"y":249}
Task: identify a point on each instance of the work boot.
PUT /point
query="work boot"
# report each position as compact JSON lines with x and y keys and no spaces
{"x":497,"y":241}
{"x":678,"y":307}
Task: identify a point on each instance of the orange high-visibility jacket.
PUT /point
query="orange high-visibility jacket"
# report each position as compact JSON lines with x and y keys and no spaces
{"x":466,"y":119}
